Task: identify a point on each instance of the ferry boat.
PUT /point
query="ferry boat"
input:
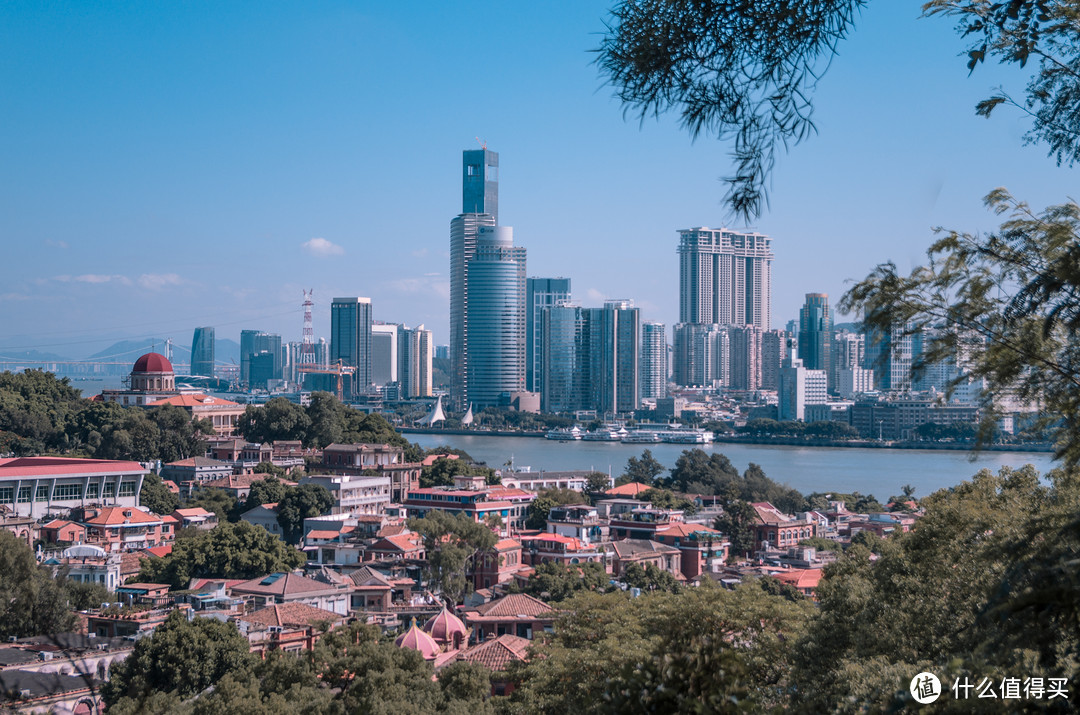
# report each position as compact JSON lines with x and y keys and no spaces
{"x":564,"y":434}
{"x":605,"y":434}
{"x":641,"y":437}
{"x":685,"y":436}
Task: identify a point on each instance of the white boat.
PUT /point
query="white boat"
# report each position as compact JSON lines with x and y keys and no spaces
{"x":683,"y":436}
{"x":565,"y":433}
{"x":605,"y":434}
{"x":641,"y":437}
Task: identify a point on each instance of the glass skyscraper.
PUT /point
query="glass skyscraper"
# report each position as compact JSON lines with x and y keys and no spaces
{"x":540,"y":293}
{"x":261,"y":358}
{"x":202,"y":352}
{"x":815,"y":332}
{"x":653,"y":361}
{"x":350,"y":339}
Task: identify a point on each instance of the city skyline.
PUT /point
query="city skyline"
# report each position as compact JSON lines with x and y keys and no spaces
{"x":180,"y":178}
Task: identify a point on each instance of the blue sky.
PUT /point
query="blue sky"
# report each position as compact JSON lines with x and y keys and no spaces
{"x":172,"y":165}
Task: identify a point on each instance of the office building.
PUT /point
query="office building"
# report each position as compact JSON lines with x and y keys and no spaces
{"x":202,"y":352}
{"x":463,"y":234}
{"x":745,"y":361}
{"x":495,"y":318}
{"x":848,"y":352}
{"x":815,"y":332}
{"x":799,"y":387}
{"x":255,"y":343}
{"x":567,"y":366}
{"x":654,"y":362}
{"x":414,"y":354}
{"x":480,"y":182}
{"x":384,"y":353}
{"x":724,"y":277}
{"x":618,"y":379}
{"x":702,"y":354}
{"x":350,"y":340}
{"x":540,"y":293}
{"x":852,"y":381}
{"x":890,"y":356}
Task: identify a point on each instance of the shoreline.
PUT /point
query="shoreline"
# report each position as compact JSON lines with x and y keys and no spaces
{"x":773,"y":441}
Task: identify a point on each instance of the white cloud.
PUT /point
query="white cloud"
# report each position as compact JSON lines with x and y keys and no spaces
{"x":56,"y":244}
{"x":419,"y":253}
{"x":93,"y":279}
{"x":321,"y":247}
{"x":595,"y":296}
{"x":156,"y":281}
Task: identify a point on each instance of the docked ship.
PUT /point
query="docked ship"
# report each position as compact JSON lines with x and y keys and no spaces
{"x":641,"y":437}
{"x":607,"y":433}
{"x":686,"y":436}
{"x":564,"y":434}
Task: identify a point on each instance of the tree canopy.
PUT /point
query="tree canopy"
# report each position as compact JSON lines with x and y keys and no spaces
{"x":32,"y":602}
{"x":746,"y":70}
{"x":450,"y":542}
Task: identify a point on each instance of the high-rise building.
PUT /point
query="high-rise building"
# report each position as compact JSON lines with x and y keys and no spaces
{"x":890,"y":356}
{"x":567,"y":379}
{"x":255,"y":343}
{"x":654,"y":369}
{"x":702,"y":355}
{"x":746,"y":363}
{"x":799,"y":387}
{"x":480,"y":182}
{"x":815,"y":332}
{"x":774,"y":345}
{"x":617,"y":378}
{"x":540,"y":293}
{"x":724,"y":277}
{"x":202,"y":352}
{"x":848,"y":352}
{"x":414,"y":353}
{"x":495,"y":318}
{"x":384,"y":353}
{"x":463,"y":232}
{"x":350,"y":339}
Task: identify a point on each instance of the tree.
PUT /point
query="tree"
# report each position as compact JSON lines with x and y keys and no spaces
{"x":546,"y":499}
{"x":737,"y":524}
{"x":746,"y":69}
{"x":299,"y":503}
{"x":156,"y":497}
{"x":265,"y":491}
{"x":240,"y":550}
{"x":553,"y":582}
{"x":182,"y":656}
{"x":278,"y":419}
{"x":1002,"y":304}
{"x":650,"y":578}
{"x":597,"y":482}
{"x":450,"y":542}
{"x":32,"y":602}
{"x":644,"y":470}
{"x":219,"y":501}
{"x":667,"y":499}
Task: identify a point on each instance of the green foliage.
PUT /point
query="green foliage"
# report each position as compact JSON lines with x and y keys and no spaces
{"x":597,"y":482}
{"x":442,"y":471}
{"x":450,"y":542}
{"x":667,"y":499}
{"x":986,"y":582}
{"x":219,"y":501}
{"x":32,"y":602}
{"x":775,"y":587}
{"x":182,"y":656}
{"x":36,"y":408}
{"x":156,"y":497}
{"x":644,"y":470}
{"x":650,"y":578}
{"x":554,"y":582}
{"x":324,"y":421}
{"x":737,"y":524}
{"x":609,"y":649}
{"x":271,"y":469}
{"x":856,"y":502}
{"x":299,"y":503}
{"x":466,"y":684}
{"x":545,"y":500}
{"x":265,"y":491}
{"x":1005,"y":302}
{"x":83,"y":595}
{"x":240,"y":550}
{"x":821,"y":543}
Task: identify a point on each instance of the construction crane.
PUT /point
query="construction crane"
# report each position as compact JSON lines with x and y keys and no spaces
{"x":335,"y":369}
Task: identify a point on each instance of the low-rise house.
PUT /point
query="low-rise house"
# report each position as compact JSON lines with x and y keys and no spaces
{"x":578,"y":521}
{"x":32,"y":692}
{"x":83,"y":655}
{"x":62,"y":531}
{"x":144,"y":594}
{"x":239,"y":485}
{"x":643,"y":523}
{"x":124,"y":528}
{"x":288,"y":627}
{"x":197,"y":517}
{"x":195,"y":472}
{"x":775,"y":529}
{"x":535,"y":481}
{"x":264,"y":515}
{"x":293,"y":588}
{"x":23,"y":528}
{"x":119,"y":621}
{"x":476,"y":505}
{"x":610,"y":508}
{"x":630,"y":489}
{"x":517,"y":614}
{"x":354,"y":494}
{"x":556,"y":548}
{"x":37,"y":487}
{"x":399,"y":547}
{"x":85,"y":563}
{"x":496,"y":654}
{"x":644,"y":552}
{"x":702,"y":548}
{"x":805,"y":581}
{"x":382,"y":459}
{"x":223,"y":414}
{"x":496,"y":565}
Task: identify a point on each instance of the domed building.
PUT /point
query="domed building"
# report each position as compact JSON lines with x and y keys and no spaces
{"x":447,"y":630}
{"x":152,"y":379}
{"x":416,"y":639}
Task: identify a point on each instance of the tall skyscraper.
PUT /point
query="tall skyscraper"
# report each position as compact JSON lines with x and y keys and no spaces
{"x":847,"y":353}
{"x":202,"y":352}
{"x":540,"y":293}
{"x":414,"y":353}
{"x":815,"y":332}
{"x":745,"y":345}
{"x":618,"y":379}
{"x":261,"y":358}
{"x":384,"y":353}
{"x":890,"y":356}
{"x":654,"y":370}
{"x":725,"y":277}
{"x":773,"y":353}
{"x":480,"y":182}
{"x":495,"y":317}
{"x":702,"y":355}
{"x":799,"y":387}
{"x":463,"y":232}
{"x":350,"y":339}
{"x":567,"y":379}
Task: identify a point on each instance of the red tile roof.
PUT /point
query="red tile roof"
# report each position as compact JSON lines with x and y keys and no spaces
{"x":194,"y":400}
{"x":322,"y":534}
{"x":684,"y":530}
{"x":278,"y":584}
{"x":497,"y":653}
{"x":159,"y":551}
{"x":57,"y":466}
{"x":512,"y":606}
{"x":120,"y":515}
{"x":628,"y":490}
{"x":291,"y":614}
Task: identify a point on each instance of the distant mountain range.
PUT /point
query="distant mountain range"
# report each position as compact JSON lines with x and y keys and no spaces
{"x":30,"y":356}
{"x":225,"y":351}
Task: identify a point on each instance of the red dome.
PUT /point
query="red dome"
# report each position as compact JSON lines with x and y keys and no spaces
{"x":152,"y":362}
{"x":416,"y":639}
{"x":445,"y":625}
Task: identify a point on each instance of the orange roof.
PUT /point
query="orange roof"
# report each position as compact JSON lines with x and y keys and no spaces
{"x":628,"y":490}
{"x":800,"y":578}
{"x":282,"y":584}
{"x":290,"y":614}
{"x":684,"y":530}
{"x":59,"y":524}
{"x":194,"y":400}
{"x":322,"y":534}
{"x":159,"y":551}
{"x":496,"y":653}
{"x":512,"y":606}
{"x":120,"y":515}
{"x":571,"y":541}
{"x":505,"y":544}
{"x":193,"y":511}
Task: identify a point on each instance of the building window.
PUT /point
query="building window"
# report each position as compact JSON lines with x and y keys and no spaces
{"x":68,"y":492}
{"x":7,"y":495}
{"x":42,"y":494}
{"x":25,"y":494}
{"x":127,"y":489}
{"x":93,"y":491}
